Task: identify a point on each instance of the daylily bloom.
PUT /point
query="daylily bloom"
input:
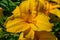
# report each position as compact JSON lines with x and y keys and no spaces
{"x":28,"y":18}
{"x":48,"y":6}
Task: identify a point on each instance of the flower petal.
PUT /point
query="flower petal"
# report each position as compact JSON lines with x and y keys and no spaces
{"x":33,"y":26}
{"x":16,"y":12}
{"x":21,"y":36}
{"x":16,"y":25}
{"x":24,"y":7}
{"x":30,"y":34}
{"x":56,"y":12}
{"x":42,"y":23}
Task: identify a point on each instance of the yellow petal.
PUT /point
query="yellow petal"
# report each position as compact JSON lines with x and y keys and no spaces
{"x":16,"y":25}
{"x":56,"y":12}
{"x":34,"y":27}
{"x":21,"y":36}
{"x":9,"y":18}
{"x":32,"y":5}
{"x":42,"y":23}
{"x":30,"y":34}
{"x":12,"y":22}
{"x":43,"y":1}
{"x":24,"y":7}
{"x":16,"y":12}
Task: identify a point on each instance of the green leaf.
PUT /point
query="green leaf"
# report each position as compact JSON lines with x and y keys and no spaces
{"x":11,"y":3}
{"x":5,"y":6}
{"x":4,"y":1}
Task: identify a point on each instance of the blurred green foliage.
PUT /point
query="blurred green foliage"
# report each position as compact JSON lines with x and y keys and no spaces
{"x":56,"y":28}
{"x":8,"y":6}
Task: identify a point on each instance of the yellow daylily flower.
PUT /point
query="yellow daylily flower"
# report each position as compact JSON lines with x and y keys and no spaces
{"x":48,"y":6}
{"x":41,"y":20}
{"x":26,"y":17}
{"x":18,"y":25}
